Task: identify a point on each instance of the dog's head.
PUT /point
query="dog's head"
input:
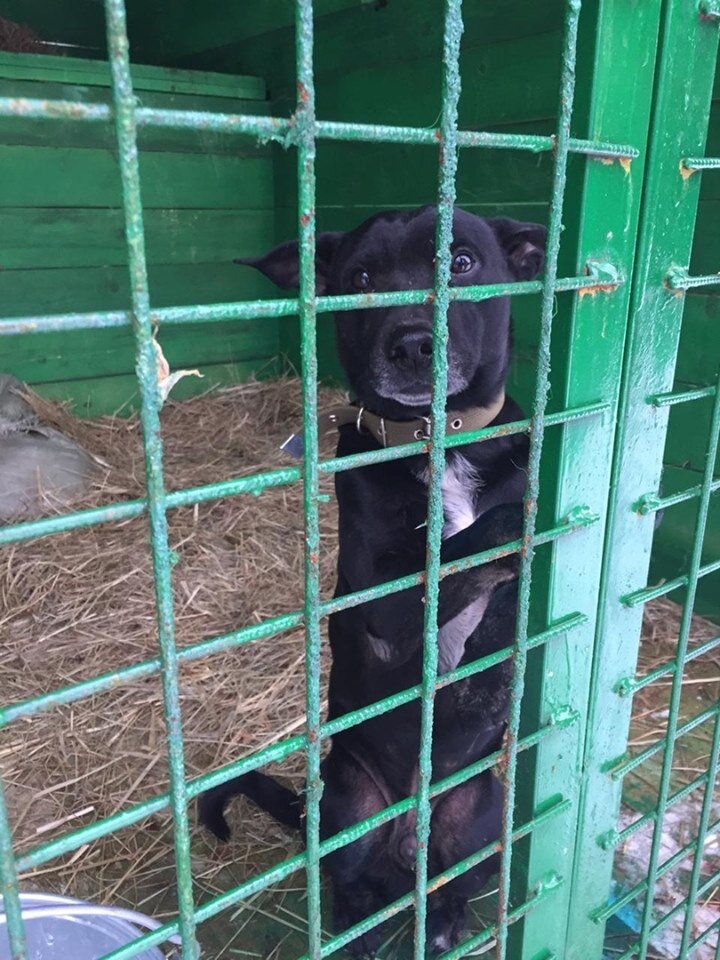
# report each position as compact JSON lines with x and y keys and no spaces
{"x":387,"y":352}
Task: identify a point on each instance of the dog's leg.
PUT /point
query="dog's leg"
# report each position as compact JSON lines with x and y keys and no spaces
{"x":466,"y":820}
{"x":446,"y":922}
{"x":350,"y":795}
{"x":351,"y":904}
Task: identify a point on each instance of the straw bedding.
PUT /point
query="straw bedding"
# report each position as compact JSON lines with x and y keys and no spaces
{"x":77,"y":605}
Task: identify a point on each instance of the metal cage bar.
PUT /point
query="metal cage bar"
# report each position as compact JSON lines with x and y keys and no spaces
{"x":448,"y":161}
{"x":683,"y":89}
{"x":537,"y":431}
{"x":305,"y":134}
{"x":301,"y":132}
{"x":147,"y":376}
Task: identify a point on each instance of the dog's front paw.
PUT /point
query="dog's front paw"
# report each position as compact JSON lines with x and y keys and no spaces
{"x":445,"y":928}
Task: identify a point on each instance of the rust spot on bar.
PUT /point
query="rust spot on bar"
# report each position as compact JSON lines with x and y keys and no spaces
{"x":625,"y":163}
{"x":596,"y":289}
{"x":314,"y":558}
{"x":305,"y":219}
{"x":303,"y":94}
{"x":686,"y":172}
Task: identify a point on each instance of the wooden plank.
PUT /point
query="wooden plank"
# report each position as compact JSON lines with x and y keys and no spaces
{"x":59,"y":357}
{"x":74,"y":237}
{"x":96,"y":397}
{"x":26,"y":292}
{"x":65,"y":177}
{"x":95,"y":73}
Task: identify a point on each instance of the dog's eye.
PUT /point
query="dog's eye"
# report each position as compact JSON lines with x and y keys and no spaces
{"x":462,"y":263}
{"x":361,"y":280}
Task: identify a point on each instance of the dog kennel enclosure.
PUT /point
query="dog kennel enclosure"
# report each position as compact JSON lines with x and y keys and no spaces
{"x":128,"y":190}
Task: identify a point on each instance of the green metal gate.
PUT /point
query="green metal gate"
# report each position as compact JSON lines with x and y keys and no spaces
{"x":630,"y":143}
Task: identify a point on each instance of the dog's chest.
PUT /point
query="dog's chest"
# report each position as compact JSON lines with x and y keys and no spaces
{"x":460,"y":487}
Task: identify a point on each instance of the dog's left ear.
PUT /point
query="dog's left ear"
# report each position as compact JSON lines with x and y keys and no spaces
{"x":524,"y":245}
{"x":282,"y":265}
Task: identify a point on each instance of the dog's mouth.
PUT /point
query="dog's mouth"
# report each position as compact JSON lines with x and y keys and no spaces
{"x":406,"y":398}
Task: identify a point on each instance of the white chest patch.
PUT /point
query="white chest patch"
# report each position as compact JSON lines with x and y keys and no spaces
{"x":460,"y":486}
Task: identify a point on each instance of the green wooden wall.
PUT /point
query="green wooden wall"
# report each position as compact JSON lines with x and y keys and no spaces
{"x":207,"y":199}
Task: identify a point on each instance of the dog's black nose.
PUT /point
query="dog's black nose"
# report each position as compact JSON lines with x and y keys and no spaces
{"x":411,"y":348}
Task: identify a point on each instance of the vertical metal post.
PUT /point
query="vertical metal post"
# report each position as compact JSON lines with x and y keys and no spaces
{"x":11,"y":894}
{"x":567,"y":92}
{"x":443,"y":239}
{"x":305,"y":127}
{"x":682,"y":99}
{"x":146,"y":370}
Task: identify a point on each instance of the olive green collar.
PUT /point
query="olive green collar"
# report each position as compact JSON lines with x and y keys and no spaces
{"x":393,"y":433}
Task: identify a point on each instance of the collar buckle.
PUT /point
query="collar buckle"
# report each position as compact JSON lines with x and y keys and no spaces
{"x":421,"y":434}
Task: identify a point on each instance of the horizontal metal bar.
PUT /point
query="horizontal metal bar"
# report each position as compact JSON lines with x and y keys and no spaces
{"x":279,"y":872}
{"x":681,"y":396}
{"x":258,"y":482}
{"x":544,"y":889}
{"x":267,"y":628}
{"x":634,"y":762}
{"x":678,"y":278}
{"x":610,"y":909}
{"x":282,"y":129}
{"x":652,"y":502}
{"x":630,"y":685}
{"x":380,"y":707}
{"x":702,"y":163}
{"x":271,"y":754}
{"x":678,"y":797}
{"x":271,"y":309}
{"x":652,"y":593}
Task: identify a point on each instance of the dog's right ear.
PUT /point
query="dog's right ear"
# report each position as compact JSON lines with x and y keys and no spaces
{"x":281,"y":264}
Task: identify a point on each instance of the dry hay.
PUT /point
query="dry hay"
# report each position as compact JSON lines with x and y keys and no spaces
{"x":77,"y":605}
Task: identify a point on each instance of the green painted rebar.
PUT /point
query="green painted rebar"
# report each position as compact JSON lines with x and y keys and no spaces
{"x":651,"y":502}
{"x":267,"y":628}
{"x":258,"y":482}
{"x":681,"y":653}
{"x":702,"y":163}
{"x":666,"y":742}
{"x":147,"y":376}
{"x":678,"y":278}
{"x":657,"y":928}
{"x":448,"y":161}
{"x":601,"y":916}
{"x":630,"y":685}
{"x":653,"y":593}
{"x":700,"y":839}
{"x":10,"y":891}
{"x":272,"y":309}
{"x":304,"y":135}
{"x":349,"y":835}
{"x":681,"y":396}
{"x":567,"y":90}
{"x":285,"y":131}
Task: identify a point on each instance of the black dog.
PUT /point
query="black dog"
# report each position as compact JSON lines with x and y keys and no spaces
{"x":377,"y":647}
